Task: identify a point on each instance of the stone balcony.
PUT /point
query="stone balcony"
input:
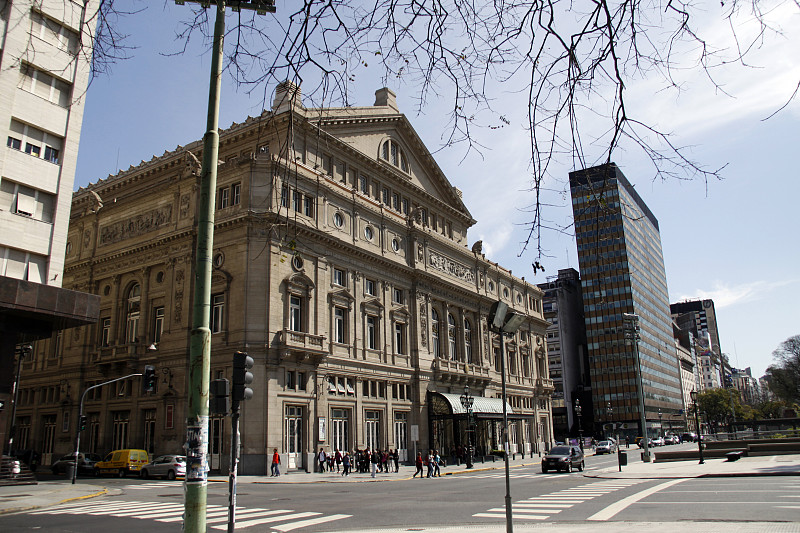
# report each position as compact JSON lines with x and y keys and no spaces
{"x":303,"y":346}
{"x":460,"y":373}
{"x":544,"y":385}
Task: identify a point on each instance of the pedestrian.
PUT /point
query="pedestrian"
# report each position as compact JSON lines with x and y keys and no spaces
{"x":437,"y":461}
{"x":396,"y":459}
{"x":374,"y":459}
{"x":346,"y":464}
{"x":431,"y":462}
{"x":322,"y":458}
{"x":385,"y":461}
{"x":418,"y":464}
{"x":338,"y":459}
{"x":276,"y":462}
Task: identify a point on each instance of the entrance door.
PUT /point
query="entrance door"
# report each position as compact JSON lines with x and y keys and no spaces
{"x":401,"y":435}
{"x":217,"y":443}
{"x":512,"y":437}
{"x":339,"y":429}
{"x":294,"y":435}
{"x":372,"y":431}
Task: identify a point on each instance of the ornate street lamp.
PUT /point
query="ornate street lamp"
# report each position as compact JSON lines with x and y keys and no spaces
{"x":693,"y":394}
{"x":578,"y":416}
{"x":466,"y":402}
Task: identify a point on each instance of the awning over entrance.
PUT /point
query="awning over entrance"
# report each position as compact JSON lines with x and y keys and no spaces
{"x":452,"y":405}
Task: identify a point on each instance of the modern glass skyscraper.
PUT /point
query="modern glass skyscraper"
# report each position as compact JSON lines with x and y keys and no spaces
{"x":622,"y":271}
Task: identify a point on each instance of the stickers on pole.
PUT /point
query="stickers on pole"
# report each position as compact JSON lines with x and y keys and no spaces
{"x":196,"y":448}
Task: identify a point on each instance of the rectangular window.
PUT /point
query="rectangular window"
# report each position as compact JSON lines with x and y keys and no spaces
{"x":33,"y":139}
{"x":33,"y":149}
{"x":369,"y":287}
{"x":158,"y":324}
{"x":362,"y":183}
{"x":297,"y":201}
{"x":339,"y":323}
{"x":385,"y":195}
{"x":400,"y":338}
{"x":14,"y":143}
{"x":301,"y":381}
{"x":405,"y":206}
{"x":308,"y":206}
{"x":217,"y":312}
{"x":396,"y":201}
{"x":397,"y":296}
{"x":51,"y":154}
{"x":285,"y":196}
{"x":224,"y":197}
{"x":290,"y":385}
{"x":105,"y":335}
{"x":371,"y":332}
{"x":295,"y":313}
{"x":236,"y":193}
{"x":339,"y":277}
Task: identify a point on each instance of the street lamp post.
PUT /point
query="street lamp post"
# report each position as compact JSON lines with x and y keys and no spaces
{"x":466,"y":402}
{"x":578,"y":411}
{"x":660,"y":428}
{"x":610,"y":413}
{"x":504,"y":322}
{"x":693,"y":394}
{"x":631,"y":331}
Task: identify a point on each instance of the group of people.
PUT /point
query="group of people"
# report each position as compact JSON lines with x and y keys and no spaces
{"x":363,"y":461}
{"x":433,"y":461}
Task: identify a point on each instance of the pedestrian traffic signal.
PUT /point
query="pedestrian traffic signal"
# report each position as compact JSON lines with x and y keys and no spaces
{"x":219,"y":402}
{"x":82,"y":422}
{"x":149,"y":379}
{"x":241,"y":377}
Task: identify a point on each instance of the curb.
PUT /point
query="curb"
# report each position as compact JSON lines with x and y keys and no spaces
{"x":66,"y":500}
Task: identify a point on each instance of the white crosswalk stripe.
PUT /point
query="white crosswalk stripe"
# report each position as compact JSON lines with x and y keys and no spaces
{"x":217,"y":516}
{"x":544,"y":506}
{"x":157,"y":485}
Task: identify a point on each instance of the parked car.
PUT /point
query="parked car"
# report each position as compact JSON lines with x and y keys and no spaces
{"x":672,"y":439}
{"x":658,"y":441}
{"x":86,"y":462}
{"x":122,"y":463}
{"x":640,"y":442}
{"x":690,"y":436}
{"x":605,"y":446}
{"x":168,"y":466}
{"x":563,"y":458}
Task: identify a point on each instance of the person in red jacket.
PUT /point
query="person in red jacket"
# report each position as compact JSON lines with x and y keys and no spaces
{"x":419,"y":466}
{"x":276,"y":461}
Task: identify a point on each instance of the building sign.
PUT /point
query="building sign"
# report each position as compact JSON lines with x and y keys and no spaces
{"x":322,"y":428}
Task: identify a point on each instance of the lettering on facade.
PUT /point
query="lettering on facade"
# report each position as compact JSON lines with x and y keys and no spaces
{"x":439,"y":262}
{"x":135,"y":226}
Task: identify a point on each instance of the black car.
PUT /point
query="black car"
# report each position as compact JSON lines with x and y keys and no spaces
{"x":86,"y":463}
{"x":563,"y":458}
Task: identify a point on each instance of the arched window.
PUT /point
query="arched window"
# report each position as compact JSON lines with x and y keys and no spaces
{"x":451,"y":337}
{"x":435,"y":332}
{"x":467,"y":341}
{"x":392,"y":153}
{"x":134,"y":301}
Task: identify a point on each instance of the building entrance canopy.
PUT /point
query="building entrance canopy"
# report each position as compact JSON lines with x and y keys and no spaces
{"x":442,"y":403}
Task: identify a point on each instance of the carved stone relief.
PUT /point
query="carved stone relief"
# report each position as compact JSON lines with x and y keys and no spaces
{"x":135,"y":226}
{"x":451,"y":267}
{"x":184,"y":208}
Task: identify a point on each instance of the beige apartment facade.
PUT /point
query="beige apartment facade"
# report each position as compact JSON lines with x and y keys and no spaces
{"x":341,"y":265}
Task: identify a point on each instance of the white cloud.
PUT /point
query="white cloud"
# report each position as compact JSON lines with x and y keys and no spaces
{"x":727,"y":295}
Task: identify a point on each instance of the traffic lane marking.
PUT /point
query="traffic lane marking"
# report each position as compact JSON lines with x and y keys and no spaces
{"x":619,"y":506}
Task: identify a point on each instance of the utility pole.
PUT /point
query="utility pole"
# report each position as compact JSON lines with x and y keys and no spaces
{"x":196,"y":483}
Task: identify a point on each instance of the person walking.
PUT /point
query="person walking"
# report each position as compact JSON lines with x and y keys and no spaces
{"x":374,"y":459}
{"x":338,"y":459}
{"x":418,"y":464}
{"x":437,"y":471}
{"x":396,"y":460}
{"x":322,"y":458}
{"x":276,"y":462}
{"x":346,"y":464}
{"x":431,"y":462}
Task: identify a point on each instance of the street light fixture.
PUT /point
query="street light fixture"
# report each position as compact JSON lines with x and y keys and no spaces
{"x":693,"y":394}
{"x":466,"y":402}
{"x":578,"y":411}
{"x":660,"y":428}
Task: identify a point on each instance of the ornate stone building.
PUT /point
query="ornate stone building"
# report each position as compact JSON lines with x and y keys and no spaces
{"x":341,"y":265}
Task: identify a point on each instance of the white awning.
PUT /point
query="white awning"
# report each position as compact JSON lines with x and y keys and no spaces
{"x":479,"y":406}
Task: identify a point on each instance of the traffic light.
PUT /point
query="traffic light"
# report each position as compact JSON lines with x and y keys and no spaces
{"x":149,"y":379}
{"x":2,"y":405}
{"x":82,"y":422}
{"x":241,"y":377}
{"x":219,"y":402}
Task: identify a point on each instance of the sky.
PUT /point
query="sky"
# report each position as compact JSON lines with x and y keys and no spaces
{"x":732,"y":240}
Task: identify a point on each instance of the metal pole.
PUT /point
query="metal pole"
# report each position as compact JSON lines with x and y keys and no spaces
{"x":13,"y":432}
{"x":196,"y":481}
{"x":234,"y":467}
{"x":699,"y":440}
{"x":509,"y":524}
{"x":643,"y":416}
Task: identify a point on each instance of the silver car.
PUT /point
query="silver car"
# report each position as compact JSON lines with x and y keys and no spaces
{"x":604,"y":446}
{"x":168,"y":466}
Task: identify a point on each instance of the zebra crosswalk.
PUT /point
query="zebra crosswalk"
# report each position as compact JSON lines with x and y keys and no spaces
{"x":156,"y":485}
{"x":545,"y":506}
{"x":515,"y":476}
{"x":216,"y":515}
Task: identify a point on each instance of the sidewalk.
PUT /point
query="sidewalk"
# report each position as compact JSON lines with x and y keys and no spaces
{"x":48,"y":493}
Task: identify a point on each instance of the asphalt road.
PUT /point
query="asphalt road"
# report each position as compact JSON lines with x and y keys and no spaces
{"x":474,"y":498}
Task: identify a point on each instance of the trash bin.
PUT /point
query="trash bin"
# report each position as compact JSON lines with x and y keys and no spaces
{"x":70,"y":470}
{"x":623,"y":459}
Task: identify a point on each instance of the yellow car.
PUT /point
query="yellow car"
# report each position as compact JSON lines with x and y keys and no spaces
{"x":121,"y":463}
